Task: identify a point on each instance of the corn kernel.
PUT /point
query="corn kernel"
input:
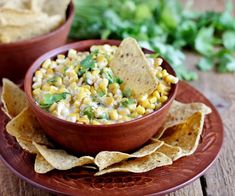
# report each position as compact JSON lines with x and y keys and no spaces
{"x":114,"y":88}
{"x":46,"y":63}
{"x":53,"y":89}
{"x":61,"y":56}
{"x":140,"y":110}
{"x":84,"y":119}
{"x":50,"y":71}
{"x":161,"y":88}
{"x":171,"y":79}
{"x":159,"y":61}
{"x":53,"y":107}
{"x":72,"y":117}
{"x":37,"y":91}
{"x":113,"y":115}
{"x":143,"y":97}
{"x":95,"y":72}
{"x":87,"y":87}
{"x":123,"y":111}
{"x":72,"y":53}
{"x":59,"y":81}
{"x":145,"y":103}
{"x":38,"y":74}
{"x":159,"y":74}
{"x":37,"y":85}
{"x":164,"y":73}
{"x":95,"y":122}
{"x":134,"y":115}
{"x":46,"y":87}
{"x":152,"y":106}
{"x":61,"y":89}
{"x":156,"y":94}
{"x":153,"y":100}
{"x":108,"y":101}
{"x":163,"y":98}
{"x":103,"y":84}
{"x":86,"y":101}
{"x":100,"y":58}
{"x":158,"y":105}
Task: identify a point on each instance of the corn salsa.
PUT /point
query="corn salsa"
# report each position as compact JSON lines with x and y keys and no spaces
{"x":80,"y":87}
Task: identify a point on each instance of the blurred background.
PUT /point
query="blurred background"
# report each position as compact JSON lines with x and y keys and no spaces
{"x":170,"y":28}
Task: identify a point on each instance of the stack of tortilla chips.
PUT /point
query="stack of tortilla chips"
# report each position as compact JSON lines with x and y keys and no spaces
{"x":178,"y":137}
{"x":25,"y":19}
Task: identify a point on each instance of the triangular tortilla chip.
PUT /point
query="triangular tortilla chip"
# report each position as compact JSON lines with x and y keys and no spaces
{"x":60,"y":159}
{"x":139,"y":165}
{"x":179,"y":112}
{"x":41,"y":166}
{"x":185,"y":135}
{"x":27,"y":146}
{"x":130,"y":64}
{"x":106,"y":158}
{"x":26,"y":127}
{"x":13,"y":98}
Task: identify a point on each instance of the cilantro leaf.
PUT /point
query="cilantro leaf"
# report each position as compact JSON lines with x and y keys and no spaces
{"x":204,"y":41}
{"x":226,"y":63}
{"x":49,"y":99}
{"x":229,"y":40}
{"x":125,"y":102}
{"x":101,"y":93}
{"x":205,"y":64}
{"x":88,"y":62}
{"x":118,"y":80}
{"x":52,"y":80}
{"x":89,"y":112}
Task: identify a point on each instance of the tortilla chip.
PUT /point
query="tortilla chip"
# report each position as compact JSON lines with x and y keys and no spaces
{"x":13,"y":98}
{"x":179,"y":112}
{"x":15,"y":4}
{"x":106,"y":158}
{"x":60,"y":159}
{"x":56,"y":7}
{"x":26,"y":127}
{"x":18,"y":18}
{"x":36,"y":5}
{"x":185,"y":135}
{"x":130,"y":64}
{"x":27,"y":146}
{"x":139,"y":165}
{"x":17,"y":33}
{"x":41,"y":166}
{"x":172,"y":152}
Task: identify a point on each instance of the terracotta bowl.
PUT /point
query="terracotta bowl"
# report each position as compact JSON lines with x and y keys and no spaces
{"x":91,"y":139}
{"x":18,"y":56}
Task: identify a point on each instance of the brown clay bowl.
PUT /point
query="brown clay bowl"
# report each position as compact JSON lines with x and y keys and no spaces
{"x":91,"y":139}
{"x":18,"y":56}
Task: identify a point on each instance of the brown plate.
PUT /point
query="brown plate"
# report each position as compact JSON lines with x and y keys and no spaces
{"x":159,"y":181}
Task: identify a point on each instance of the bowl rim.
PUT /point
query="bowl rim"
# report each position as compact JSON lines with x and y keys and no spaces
{"x":70,"y":10}
{"x":64,"y":49}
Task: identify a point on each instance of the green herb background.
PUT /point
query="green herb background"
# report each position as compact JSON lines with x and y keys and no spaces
{"x":165,"y":26}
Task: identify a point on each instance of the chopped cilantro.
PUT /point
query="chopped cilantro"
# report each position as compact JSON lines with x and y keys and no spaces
{"x":49,"y":99}
{"x":89,"y":112}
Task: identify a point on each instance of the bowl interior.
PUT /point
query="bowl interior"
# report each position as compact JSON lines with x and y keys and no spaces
{"x":85,"y":46}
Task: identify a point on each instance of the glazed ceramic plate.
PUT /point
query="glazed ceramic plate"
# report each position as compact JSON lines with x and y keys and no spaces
{"x":80,"y":181}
